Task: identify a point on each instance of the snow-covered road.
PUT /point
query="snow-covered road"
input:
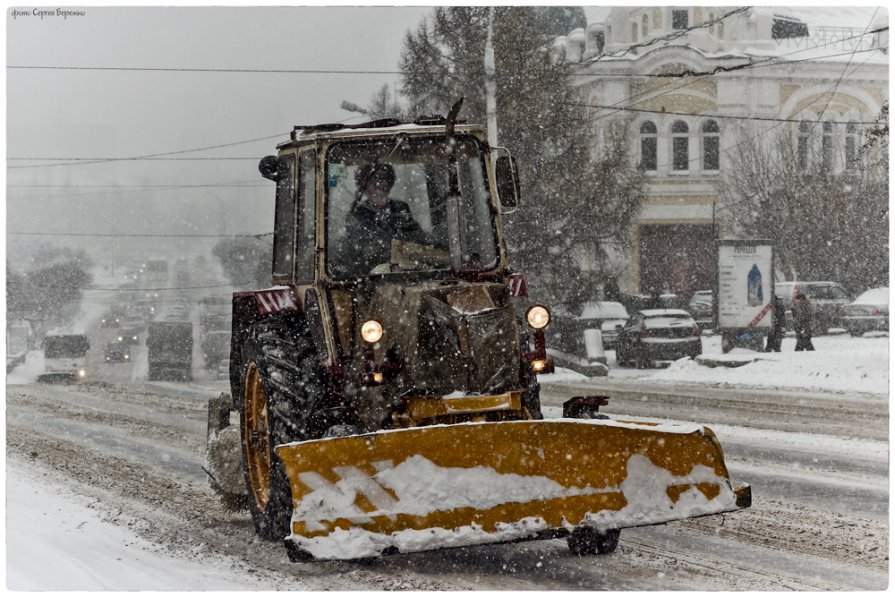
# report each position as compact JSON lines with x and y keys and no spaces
{"x":107,"y":479}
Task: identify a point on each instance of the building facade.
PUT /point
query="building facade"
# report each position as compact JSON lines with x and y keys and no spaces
{"x":689,"y":84}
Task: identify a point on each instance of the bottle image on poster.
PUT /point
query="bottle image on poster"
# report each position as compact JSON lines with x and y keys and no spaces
{"x":754,"y":292}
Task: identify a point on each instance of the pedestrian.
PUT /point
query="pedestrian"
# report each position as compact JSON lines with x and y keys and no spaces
{"x":654,"y":301}
{"x":778,"y":326}
{"x":801,"y":321}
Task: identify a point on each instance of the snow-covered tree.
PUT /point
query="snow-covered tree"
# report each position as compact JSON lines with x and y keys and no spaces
{"x":246,"y":261}
{"x":573,"y":203}
{"x":53,"y":282}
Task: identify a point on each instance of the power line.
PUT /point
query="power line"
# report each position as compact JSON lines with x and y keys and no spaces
{"x":136,"y":186}
{"x":770,"y":61}
{"x":714,"y":116}
{"x":210,"y":70}
{"x":673,"y":35}
{"x":96,"y":160}
{"x":157,"y":155}
{"x":122,"y":235}
{"x":242,"y":285}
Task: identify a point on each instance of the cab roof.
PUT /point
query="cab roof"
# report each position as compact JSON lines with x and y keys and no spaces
{"x":375,"y":128}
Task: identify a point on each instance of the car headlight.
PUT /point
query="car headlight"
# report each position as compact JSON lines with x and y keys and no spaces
{"x":538,"y":317}
{"x":82,"y":373}
{"x":371,"y":331}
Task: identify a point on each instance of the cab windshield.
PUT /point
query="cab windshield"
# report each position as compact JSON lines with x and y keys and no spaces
{"x":386,"y":208}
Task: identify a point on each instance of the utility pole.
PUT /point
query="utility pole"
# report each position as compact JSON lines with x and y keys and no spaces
{"x":490,"y":83}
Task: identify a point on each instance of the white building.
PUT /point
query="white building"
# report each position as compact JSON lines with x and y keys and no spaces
{"x":690,"y":83}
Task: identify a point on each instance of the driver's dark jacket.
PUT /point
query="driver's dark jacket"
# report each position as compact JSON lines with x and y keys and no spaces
{"x":369,"y":233}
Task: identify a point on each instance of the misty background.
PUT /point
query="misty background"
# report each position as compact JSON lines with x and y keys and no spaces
{"x":200,"y":94}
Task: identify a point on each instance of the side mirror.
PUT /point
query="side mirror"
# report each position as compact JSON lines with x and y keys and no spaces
{"x":268,"y":167}
{"x":619,"y":327}
{"x":507,"y":181}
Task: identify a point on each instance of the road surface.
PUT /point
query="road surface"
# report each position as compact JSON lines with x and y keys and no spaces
{"x":818,"y":465}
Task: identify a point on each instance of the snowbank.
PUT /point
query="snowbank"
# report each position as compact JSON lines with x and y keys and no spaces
{"x":840,"y":363}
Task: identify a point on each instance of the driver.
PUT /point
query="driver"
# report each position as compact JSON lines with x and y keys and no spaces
{"x":376,"y":219}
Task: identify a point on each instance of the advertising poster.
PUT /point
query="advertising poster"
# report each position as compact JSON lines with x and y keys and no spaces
{"x":745,"y":284}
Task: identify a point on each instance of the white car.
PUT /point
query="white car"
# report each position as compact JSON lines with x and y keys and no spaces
{"x":606,"y":316}
{"x":867,"y":313}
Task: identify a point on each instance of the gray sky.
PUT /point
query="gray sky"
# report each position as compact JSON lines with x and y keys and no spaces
{"x":55,"y":113}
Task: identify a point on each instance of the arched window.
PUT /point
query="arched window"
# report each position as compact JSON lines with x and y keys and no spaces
{"x":851,"y":147}
{"x":711,"y":27}
{"x":720,"y":30}
{"x":711,"y":145}
{"x":648,"y":146}
{"x":826,"y":147}
{"x":680,"y":146}
{"x":634,"y":32}
{"x":803,"y":138}
{"x":644,"y":26}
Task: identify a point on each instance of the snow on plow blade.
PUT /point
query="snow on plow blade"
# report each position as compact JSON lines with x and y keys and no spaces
{"x":442,"y":486}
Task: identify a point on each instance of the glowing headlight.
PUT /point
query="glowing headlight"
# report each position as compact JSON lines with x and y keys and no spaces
{"x":538,"y":317}
{"x":82,"y":373}
{"x":371,"y":331}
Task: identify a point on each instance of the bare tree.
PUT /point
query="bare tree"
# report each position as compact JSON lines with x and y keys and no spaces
{"x":383,"y":104}
{"x":824,"y":226}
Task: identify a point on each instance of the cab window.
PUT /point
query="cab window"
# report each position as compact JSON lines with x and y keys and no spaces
{"x":305,"y":240}
{"x":284,"y":221}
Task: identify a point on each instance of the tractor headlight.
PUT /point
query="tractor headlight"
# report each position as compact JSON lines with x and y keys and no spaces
{"x":371,"y":331}
{"x":538,"y":317}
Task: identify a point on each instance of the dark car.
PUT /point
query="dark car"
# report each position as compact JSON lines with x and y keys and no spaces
{"x":117,"y":352}
{"x":110,"y":320}
{"x":656,"y":335}
{"x":867,"y":313}
{"x":701,"y":308}
{"x":639,"y":302}
{"x":130,"y":330}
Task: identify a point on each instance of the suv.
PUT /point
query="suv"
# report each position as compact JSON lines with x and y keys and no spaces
{"x":827,"y":300}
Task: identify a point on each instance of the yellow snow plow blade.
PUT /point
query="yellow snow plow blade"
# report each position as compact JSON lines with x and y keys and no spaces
{"x":474,"y":483}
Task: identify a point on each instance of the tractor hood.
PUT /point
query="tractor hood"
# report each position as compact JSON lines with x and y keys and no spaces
{"x":446,"y":337}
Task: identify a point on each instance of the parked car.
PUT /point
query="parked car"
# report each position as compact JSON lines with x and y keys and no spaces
{"x":827,"y":300}
{"x":701,"y":308}
{"x":117,"y":352}
{"x":654,"y":335}
{"x":604,"y":316}
{"x":639,"y":302}
{"x":867,"y":313}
